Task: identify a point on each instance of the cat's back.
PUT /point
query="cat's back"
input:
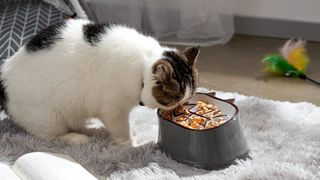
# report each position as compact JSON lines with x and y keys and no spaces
{"x":50,"y":38}
{"x":60,"y":42}
{"x":73,"y":41}
{"x":78,"y":54}
{"x":82,"y":36}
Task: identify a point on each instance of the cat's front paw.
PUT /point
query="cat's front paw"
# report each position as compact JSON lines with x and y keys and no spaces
{"x":124,"y":142}
{"x":75,"y":138}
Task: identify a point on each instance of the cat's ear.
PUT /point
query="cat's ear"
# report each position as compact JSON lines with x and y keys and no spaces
{"x":191,"y":53}
{"x":163,"y":70}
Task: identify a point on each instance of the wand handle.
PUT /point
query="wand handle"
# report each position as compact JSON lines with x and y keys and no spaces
{"x":304,"y":77}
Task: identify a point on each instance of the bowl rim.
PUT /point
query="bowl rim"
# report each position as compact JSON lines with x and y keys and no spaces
{"x":211,"y":95}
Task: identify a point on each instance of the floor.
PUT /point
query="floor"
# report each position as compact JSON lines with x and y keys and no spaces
{"x":236,"y":67}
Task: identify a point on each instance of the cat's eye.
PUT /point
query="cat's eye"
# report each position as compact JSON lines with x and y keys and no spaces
{"x":157,"y":82}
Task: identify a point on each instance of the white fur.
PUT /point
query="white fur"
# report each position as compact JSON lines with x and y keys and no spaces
{"x":51,"y":92}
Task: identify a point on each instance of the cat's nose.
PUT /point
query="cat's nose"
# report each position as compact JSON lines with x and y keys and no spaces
{"x":141,"y":103}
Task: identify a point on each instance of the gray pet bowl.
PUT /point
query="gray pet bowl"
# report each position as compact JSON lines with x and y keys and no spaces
{"x":214,"y":148}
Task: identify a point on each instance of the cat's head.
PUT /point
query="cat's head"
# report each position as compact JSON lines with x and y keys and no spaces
{"x":172,"y":79}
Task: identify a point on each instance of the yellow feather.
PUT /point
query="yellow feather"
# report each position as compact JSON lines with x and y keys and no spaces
{"x":299,"y":58}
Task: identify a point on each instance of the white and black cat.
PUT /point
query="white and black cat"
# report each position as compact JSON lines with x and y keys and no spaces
{"x":76,"y":69}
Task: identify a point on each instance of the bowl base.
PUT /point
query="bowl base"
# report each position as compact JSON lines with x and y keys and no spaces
{"x":215,"y":166}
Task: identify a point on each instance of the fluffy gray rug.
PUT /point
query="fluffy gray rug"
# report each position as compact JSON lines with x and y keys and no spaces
{"x":284,"y":139}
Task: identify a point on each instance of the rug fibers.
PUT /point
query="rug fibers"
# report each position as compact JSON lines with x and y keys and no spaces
{"x":284,"y":141}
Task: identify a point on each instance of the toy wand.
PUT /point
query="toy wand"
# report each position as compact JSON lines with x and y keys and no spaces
{"x":292,"y":61}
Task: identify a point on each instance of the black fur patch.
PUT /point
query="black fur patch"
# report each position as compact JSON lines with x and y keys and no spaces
{"x":93,"y":32}
{"x":182,"y":71}
{"x":46,"y":37}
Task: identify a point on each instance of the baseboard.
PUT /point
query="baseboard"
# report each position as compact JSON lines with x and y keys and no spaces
{"x":277,"y":28}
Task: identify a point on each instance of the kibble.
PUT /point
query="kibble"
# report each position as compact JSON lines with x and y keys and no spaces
{"x":199,"y":116}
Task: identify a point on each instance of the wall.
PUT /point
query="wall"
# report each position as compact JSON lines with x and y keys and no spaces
{"x":295,"y":10}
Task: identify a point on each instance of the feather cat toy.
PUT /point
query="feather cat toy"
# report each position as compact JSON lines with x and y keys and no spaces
{"x":291,"y":62}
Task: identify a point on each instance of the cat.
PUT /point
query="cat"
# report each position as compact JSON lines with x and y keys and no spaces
{"x":76,"y":69}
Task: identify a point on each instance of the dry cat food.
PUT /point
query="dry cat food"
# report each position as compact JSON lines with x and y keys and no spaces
{"x":201,"y":115}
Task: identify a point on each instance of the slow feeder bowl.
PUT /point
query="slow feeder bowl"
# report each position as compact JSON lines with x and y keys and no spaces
{"x":214,"y":148}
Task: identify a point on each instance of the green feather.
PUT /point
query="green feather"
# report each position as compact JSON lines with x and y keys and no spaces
{"x":276,"y":64}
